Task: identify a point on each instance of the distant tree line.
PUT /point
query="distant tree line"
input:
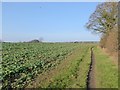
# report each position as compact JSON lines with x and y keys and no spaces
{"x":36,"y":40}
{"x":104,"y":21}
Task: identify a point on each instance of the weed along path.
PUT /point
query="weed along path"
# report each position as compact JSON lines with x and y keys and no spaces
{"x":59,"y":65}
{"x":70,"y":73}
{"x":86,"y":67}
{"x":106,"y":72}
{"x":103,"y":73}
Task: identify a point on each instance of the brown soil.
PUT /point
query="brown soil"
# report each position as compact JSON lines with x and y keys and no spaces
{"x":91,"y":74}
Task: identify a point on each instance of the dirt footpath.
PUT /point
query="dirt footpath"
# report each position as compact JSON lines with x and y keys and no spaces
{"x":91,"y":74}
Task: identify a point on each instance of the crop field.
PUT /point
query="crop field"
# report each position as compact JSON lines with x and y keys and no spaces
{"x":59,"y":45}
{"x":51,"y":65}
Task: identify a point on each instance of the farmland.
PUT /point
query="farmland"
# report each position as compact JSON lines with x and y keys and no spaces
{"x":23,"y":61}
{"x":48,"y":45}
{"x":51,"y":65}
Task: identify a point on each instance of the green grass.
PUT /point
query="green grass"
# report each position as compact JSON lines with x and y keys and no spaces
{"x":75,"y":75}
{"x":21,"y":62}
{"x":106,"y":71}
{"x":80,"y":81}
{"x":18,"y":58}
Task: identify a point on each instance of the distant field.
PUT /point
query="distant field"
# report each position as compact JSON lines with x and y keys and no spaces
{"x":53,"y":65}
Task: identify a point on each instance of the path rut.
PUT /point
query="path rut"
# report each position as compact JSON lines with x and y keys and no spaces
{"x":91,"y":73}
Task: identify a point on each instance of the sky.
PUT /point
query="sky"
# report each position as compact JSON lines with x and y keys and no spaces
{"x":53,"y":21}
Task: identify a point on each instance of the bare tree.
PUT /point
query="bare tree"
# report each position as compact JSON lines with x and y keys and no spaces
{"x":105,"y":21}
{"x":104,"y":18}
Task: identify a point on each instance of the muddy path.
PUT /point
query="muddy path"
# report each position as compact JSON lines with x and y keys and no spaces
{"x":91,"y":73}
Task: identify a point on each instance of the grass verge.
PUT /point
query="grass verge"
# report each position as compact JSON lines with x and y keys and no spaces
{"x":74,"y":76}
{"x":106,"y":71}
